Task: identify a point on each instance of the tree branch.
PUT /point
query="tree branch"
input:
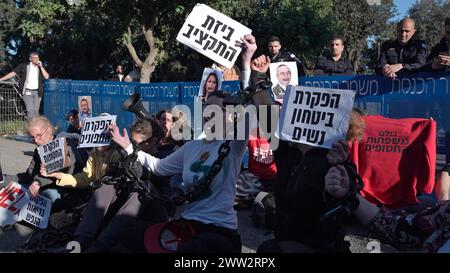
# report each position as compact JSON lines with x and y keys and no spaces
{"x":132,"y":50}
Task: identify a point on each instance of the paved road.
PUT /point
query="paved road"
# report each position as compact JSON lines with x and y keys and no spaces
{"x":16,"y":155}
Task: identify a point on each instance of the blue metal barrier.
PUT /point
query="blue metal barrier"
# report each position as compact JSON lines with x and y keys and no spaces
{"x":423,"y":95}
{"x":107,"y":96}
{"x":419,"y":96}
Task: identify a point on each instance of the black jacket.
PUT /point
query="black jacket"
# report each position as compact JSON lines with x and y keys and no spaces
{"x":21,"y":71}
{"x":442,"y":46}
{"x":299,"y":199}
{"x":78,"y":160}
{"x":412,"y":54}
{"x":285,"y":56}
{"x":328,"y":66}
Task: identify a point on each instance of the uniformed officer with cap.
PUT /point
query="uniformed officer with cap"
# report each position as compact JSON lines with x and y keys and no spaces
{"x":278,"y":56}
{"x":404,"y":55}
{"x":334,"y":63}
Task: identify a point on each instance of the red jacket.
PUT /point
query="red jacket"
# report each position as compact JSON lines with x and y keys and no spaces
{"x":396,"y":159}
{"x":261,"y":161}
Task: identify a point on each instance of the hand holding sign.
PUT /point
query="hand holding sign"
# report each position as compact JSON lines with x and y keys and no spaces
{"x":338,"y":153}
{"x":34,"y":188}
{"x":212,"y":34}
{"x":44,"y":173}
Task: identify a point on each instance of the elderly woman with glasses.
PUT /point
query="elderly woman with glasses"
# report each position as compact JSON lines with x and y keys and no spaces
{"x":41,"y":132}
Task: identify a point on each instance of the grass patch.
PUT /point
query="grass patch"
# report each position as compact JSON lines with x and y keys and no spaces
{"x":11,"y":126}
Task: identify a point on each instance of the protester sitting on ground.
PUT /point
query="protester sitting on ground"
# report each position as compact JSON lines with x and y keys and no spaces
{"x":335,"y":63}
{"x":122,"y":226}
{"x":210,"y":212}
{"x":74,"y":122}
{"x":301,"y":171}
{"x":425,"y":231}
{"x":41,"y":131}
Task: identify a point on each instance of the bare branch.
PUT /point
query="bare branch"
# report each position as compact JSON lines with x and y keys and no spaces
{"x":132,"y":50}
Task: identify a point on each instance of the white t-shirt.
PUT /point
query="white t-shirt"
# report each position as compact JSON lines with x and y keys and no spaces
{"x":32,"y":77}
{"x":192,"y":161}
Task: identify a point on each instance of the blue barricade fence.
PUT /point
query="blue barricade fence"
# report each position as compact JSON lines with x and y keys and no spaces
{"x":423,"y":95}
{"x":62,"y":95}
{"x":420,"y":96}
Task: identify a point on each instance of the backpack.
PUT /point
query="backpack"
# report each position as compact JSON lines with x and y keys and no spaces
{"x":263,"y":210}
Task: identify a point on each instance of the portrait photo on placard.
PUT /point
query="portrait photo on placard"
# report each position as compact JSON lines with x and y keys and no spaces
{"x":281,"y":75}
{"x":84,"y":107}
{"x":211,"y":82}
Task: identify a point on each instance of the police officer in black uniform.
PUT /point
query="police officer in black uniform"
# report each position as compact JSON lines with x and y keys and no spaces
{"x":334,"y":63}
{"x":439,"y":58}
{"x":278,"y":56}
{"x":404,"y":55}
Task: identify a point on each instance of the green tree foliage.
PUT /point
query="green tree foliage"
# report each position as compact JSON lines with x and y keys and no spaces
{"x":8,"y":14}
{"x":430,"y":17}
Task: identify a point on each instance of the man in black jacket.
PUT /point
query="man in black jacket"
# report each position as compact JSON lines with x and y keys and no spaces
{"x":277,"y":55}
{"x":31,"y":76}
{"x":404,"y":55}
{"x":439,"y":58}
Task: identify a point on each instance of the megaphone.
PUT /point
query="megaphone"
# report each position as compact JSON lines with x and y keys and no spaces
{"x":134,"y":105}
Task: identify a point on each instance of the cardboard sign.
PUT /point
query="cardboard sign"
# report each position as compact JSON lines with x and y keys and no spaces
{"x":315,"y":116}
{"x":208,"y":75}
{"x":94,"y":131}
{"x":36,"y":212}
{"x":281,"y":75}
{"x":54,"y":155}
{"x":12,"y":199}
{"x":213,"y":34}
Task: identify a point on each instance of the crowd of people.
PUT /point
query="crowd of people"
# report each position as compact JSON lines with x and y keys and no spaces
{"x":199,"y":178}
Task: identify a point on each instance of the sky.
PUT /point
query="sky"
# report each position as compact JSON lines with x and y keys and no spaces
{"x":403,"y":6}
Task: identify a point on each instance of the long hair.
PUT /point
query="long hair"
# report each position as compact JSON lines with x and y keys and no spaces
{"x":206,"y":80}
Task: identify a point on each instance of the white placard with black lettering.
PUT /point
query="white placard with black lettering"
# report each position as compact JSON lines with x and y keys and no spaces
{"x":315,"y":116}
{"x":94,"y":132}
{"x":12,"y":199}
{"x":213,"y":34}
{"x":53,"y":155}
{"x":37,"y":211}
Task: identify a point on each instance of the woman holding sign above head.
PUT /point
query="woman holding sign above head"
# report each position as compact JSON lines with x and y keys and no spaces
{"x":209,"y":168}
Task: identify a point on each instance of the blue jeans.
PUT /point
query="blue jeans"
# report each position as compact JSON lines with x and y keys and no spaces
{"x":32,"y":102}
{"x":51,"y":194}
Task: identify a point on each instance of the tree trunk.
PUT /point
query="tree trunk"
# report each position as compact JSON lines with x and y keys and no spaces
{"x":149,"y":64}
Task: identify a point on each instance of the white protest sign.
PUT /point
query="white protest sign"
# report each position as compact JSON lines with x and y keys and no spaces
{"x":315,"y":116}
{"x":12,"y":199}
{"x":94,"y":132}
{"x":53,"y":155}
{"x":213,"y":34}
{"x":37,"y":211}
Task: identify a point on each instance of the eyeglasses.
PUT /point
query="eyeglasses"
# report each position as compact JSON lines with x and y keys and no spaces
{"x":39,"y":136}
